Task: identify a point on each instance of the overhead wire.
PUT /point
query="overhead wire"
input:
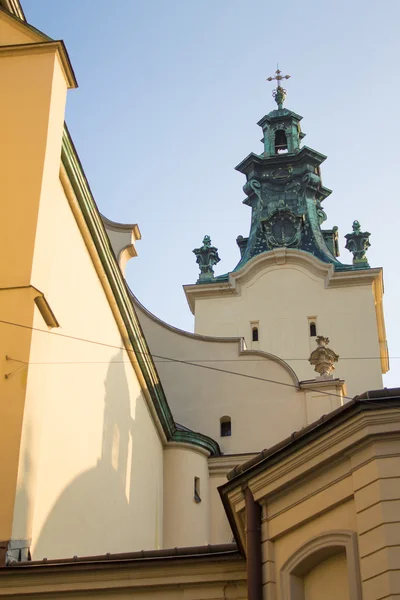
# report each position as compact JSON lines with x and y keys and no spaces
{"x":153,"y":356}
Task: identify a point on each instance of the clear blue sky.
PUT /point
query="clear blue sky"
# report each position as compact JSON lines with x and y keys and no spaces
{"x":168,"y":100}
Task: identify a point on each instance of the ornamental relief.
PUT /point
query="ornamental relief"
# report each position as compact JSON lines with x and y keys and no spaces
{"x":283,"y":229}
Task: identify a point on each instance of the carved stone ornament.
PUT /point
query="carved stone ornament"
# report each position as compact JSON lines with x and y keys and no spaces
{"x":323,"y":358}
{"x":278,"y":126}
{"x":358,"y":243}
{"x":206,"y":258}
{"x":279,"y":94}
{"x":282,"y":174}
{"x":283,"y":228}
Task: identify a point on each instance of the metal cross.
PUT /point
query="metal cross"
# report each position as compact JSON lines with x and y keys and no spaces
{"x":278,"y":77}
{"x":279,"y":94}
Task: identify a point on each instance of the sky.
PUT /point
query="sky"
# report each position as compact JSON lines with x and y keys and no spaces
{"x":169,"y":95}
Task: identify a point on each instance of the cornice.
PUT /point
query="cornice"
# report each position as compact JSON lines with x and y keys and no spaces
{"x":292,"y":464}
{"x":132,"y":228}
{"x":278,"y":159}
{"x":40,"y":301}
{"x":129,"y":576}
{"x":41,"y":48}
{"x":123,"y":238}
{"x":73,"y":177}
{"x":279,"y":115}
{"x":321,"y":383}
{"x":194,"y":291}
{"x":221,"y":465}
{"x":282,"y":257}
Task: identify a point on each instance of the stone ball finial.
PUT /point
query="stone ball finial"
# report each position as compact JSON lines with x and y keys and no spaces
{"x":323,"y":358}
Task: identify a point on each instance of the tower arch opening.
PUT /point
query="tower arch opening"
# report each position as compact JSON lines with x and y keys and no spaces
{"x":281,"y":144}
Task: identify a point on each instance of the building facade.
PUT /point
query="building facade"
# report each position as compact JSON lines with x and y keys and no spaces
{"x":121,"y":477}
{"x":289,"y":285}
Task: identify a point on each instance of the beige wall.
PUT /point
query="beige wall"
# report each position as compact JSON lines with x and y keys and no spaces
{"x":337,"y":495}
{"x":261,"y":396}
{"x":281,"y":298}
{"x":219,"y":466}
{"x":89,"y":459}
{"x":262,"y":413}
{"x":220,"y":530}
{"x":90,"y":476}
{"x":186,"y":522}
{"x":328,"y":580}
{"x":31,"y":122}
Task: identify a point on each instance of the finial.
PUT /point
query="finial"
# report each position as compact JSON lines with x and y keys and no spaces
{"x":323,"y":358}
{"x":279,"y":94}
{"x":206,"y":258}
{"x":358,"y":243}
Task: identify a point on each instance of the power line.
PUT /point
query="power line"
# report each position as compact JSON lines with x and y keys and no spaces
{"x":164,"y":358}
{"x":169,"y":359}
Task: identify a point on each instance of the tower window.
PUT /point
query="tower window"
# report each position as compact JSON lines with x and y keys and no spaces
{"x":313,"y":329}
{"x":281,"y":146}
{"x":197,"y":497}
{"x":226,"y":426}
{"x":254,"y":332}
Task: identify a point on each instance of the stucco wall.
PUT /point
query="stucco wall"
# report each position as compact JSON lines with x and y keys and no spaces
{"x":186,"y":521}
{"x":220,"y":530}
{"x":281,"y":298}
{"x":335,"y":494}
{"x":90,"y":475}
{"x":328,"y":580}
{"x":31,"y":120}
{"x":258,"y":393}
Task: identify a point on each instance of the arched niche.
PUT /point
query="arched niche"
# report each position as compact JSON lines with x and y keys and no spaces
{"x":312,"y":554}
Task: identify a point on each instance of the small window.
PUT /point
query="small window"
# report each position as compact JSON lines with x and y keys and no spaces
{"x":254,"y":332}
{"x":281,"y":145}
{"x":313,"y":329}
{"x":226,"y":426}
{"x":197,"y":497}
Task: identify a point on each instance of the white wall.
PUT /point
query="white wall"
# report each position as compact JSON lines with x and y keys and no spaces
{"x":186,"y":522}
{"x":91,"y":463}
{"x":282,"y":298}
{"x":260,"y":394}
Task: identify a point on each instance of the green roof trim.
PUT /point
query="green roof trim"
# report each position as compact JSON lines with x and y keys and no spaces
{"x":90,"y":212}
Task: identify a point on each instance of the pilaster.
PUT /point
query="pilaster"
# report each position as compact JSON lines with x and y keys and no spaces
{"x":377,"y":500}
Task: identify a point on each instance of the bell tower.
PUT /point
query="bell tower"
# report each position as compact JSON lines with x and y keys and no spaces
{"x":284,"y":190}
{"x":289,"y":284}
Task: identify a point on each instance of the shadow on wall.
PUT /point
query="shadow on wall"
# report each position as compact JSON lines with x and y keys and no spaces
{"x":22,"y":505}
{"x":94,"y":514}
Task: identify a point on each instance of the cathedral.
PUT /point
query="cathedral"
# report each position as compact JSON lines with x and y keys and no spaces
{"x":256,"y":458}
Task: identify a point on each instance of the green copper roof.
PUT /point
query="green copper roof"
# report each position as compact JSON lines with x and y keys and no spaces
{"x":285,"y":193}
